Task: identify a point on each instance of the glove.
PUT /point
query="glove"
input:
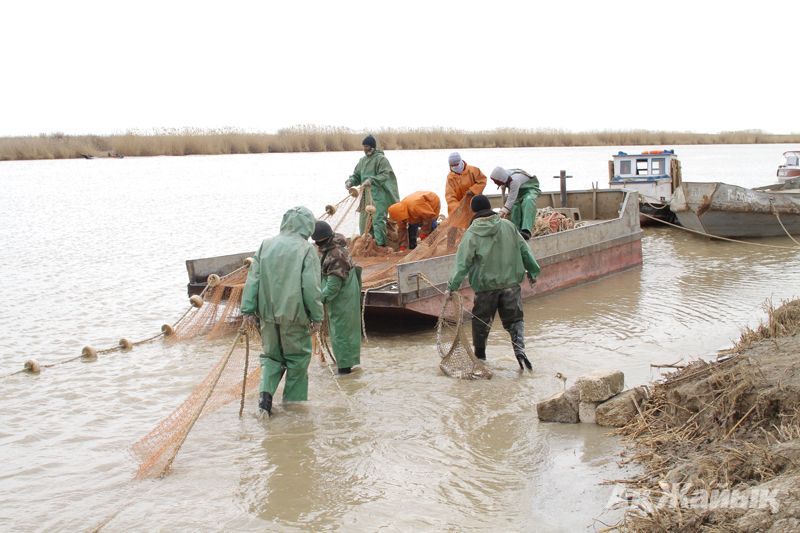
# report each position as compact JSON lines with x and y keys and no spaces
{"x":531,"y":279}
{"x":314,"y":327}
{"x":347,"y":184}
{"x":366,"y":183}
{"x":250,"y":321}
{"x":470,"y":194}
{"x":504,"y":212}
{"x":522,"y":359}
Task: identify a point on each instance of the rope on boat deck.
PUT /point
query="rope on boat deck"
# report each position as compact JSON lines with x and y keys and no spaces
{"x":720,"y":238}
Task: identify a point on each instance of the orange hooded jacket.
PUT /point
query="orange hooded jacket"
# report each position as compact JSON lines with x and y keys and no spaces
{"x":472,"y":179}
{"x":416,"y":208}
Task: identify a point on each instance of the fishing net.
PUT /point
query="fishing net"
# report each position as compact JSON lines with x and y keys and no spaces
{"x":380,"y":263}
{"x":548,"y":221}
{"x":458,"y":359}
{"x":216,"y":311}
{"x":231,"y":378}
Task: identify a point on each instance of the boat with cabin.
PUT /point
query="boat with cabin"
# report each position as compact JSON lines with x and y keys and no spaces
{"x":654,"y":174}
{"x":723,"y":210}
{"x":790,"y":166}
{"x":606,"y":240}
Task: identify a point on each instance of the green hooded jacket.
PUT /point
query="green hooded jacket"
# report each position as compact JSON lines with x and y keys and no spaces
{"x":376,"y":168}
{"x":494,"y":255}
{"x":283,"y":282}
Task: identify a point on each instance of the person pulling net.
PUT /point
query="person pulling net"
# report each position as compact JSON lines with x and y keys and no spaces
{"x":497,"y":259}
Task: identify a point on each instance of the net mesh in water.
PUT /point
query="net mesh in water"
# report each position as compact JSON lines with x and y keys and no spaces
{"x":228,"y":380}
{"x":458,"y":359}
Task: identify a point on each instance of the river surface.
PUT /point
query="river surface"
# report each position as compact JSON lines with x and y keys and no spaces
{"x":92,"y":251}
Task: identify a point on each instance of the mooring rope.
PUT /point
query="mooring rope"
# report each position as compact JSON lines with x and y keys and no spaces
{"x":775,"y":212}
{"x":717,"y":237}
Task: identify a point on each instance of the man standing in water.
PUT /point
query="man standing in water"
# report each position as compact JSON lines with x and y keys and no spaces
{"x":520,"y":206}
{"x":496,"y":259}
{"x":341,"y":296}
{"x":374,"y":172}
{"x":283,"y":291}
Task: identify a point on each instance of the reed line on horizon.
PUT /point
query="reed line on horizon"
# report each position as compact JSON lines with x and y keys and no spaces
{"x":317,"y":139}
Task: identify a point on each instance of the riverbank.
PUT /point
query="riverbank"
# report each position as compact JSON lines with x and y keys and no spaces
{"x":720,"y":442}
{"x":313,"y":139}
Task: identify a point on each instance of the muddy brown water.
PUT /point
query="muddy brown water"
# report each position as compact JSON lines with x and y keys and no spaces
{"x":93,"y":251}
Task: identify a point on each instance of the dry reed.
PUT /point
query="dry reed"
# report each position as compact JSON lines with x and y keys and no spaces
{"x":321,"y":139}
{"x":732,"y":424}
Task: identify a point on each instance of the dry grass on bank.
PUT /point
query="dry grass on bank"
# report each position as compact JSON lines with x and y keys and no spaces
{"x":314,"y":139}
{"x":728,"y":425}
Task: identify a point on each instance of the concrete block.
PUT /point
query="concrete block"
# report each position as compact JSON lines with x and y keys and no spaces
{"x":599,"y":386}
{"x":621,"y":409}
{"x":586,"y":412}
{"x":562,"y":407}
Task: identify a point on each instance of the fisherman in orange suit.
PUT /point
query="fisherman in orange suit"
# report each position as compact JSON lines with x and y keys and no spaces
{"x":416,"y":214}
{"x":463,"y":180}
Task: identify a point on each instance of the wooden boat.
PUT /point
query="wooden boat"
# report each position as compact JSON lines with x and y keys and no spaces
{"x":608,"y":240}
{"x":654,"y":174}
{"x":790,"y":167}
{"x":723,"y":210}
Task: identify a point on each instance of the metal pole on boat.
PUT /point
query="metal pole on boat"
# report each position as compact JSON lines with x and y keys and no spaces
{"x":563,"y":177}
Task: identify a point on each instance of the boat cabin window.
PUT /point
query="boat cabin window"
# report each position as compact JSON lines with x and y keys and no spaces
{"x":641,"y":167}
{"x":657,"y":166}
{"x":625,"y":167}
{"x":792,"y":159}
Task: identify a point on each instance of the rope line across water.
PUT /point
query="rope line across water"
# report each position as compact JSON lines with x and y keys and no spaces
{"x":720,"y":238}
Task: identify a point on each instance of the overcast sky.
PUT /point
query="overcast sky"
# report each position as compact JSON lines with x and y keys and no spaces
{"x":112,"y":66}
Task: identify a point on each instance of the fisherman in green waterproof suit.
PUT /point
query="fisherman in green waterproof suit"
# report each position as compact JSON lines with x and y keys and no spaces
{"x":497,"y":259}
{"x":341,"y":296}
{"x":374,"y":171}
{"x":283,"y":291}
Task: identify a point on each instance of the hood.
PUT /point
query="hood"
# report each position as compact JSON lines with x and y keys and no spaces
{"x":500,"y":176}
{"x":299,"y":221}
{"x":398,"y":212}
{"x":485,"y":226}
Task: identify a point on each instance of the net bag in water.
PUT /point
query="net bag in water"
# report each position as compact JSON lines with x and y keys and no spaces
{"x":458,"y":359}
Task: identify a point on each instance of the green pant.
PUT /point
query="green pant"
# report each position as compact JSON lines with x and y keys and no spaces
{"x":344,"y":314}
{"x":378,"y":229}
{"x":287,"y":349}
{"x":523,"y":212}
